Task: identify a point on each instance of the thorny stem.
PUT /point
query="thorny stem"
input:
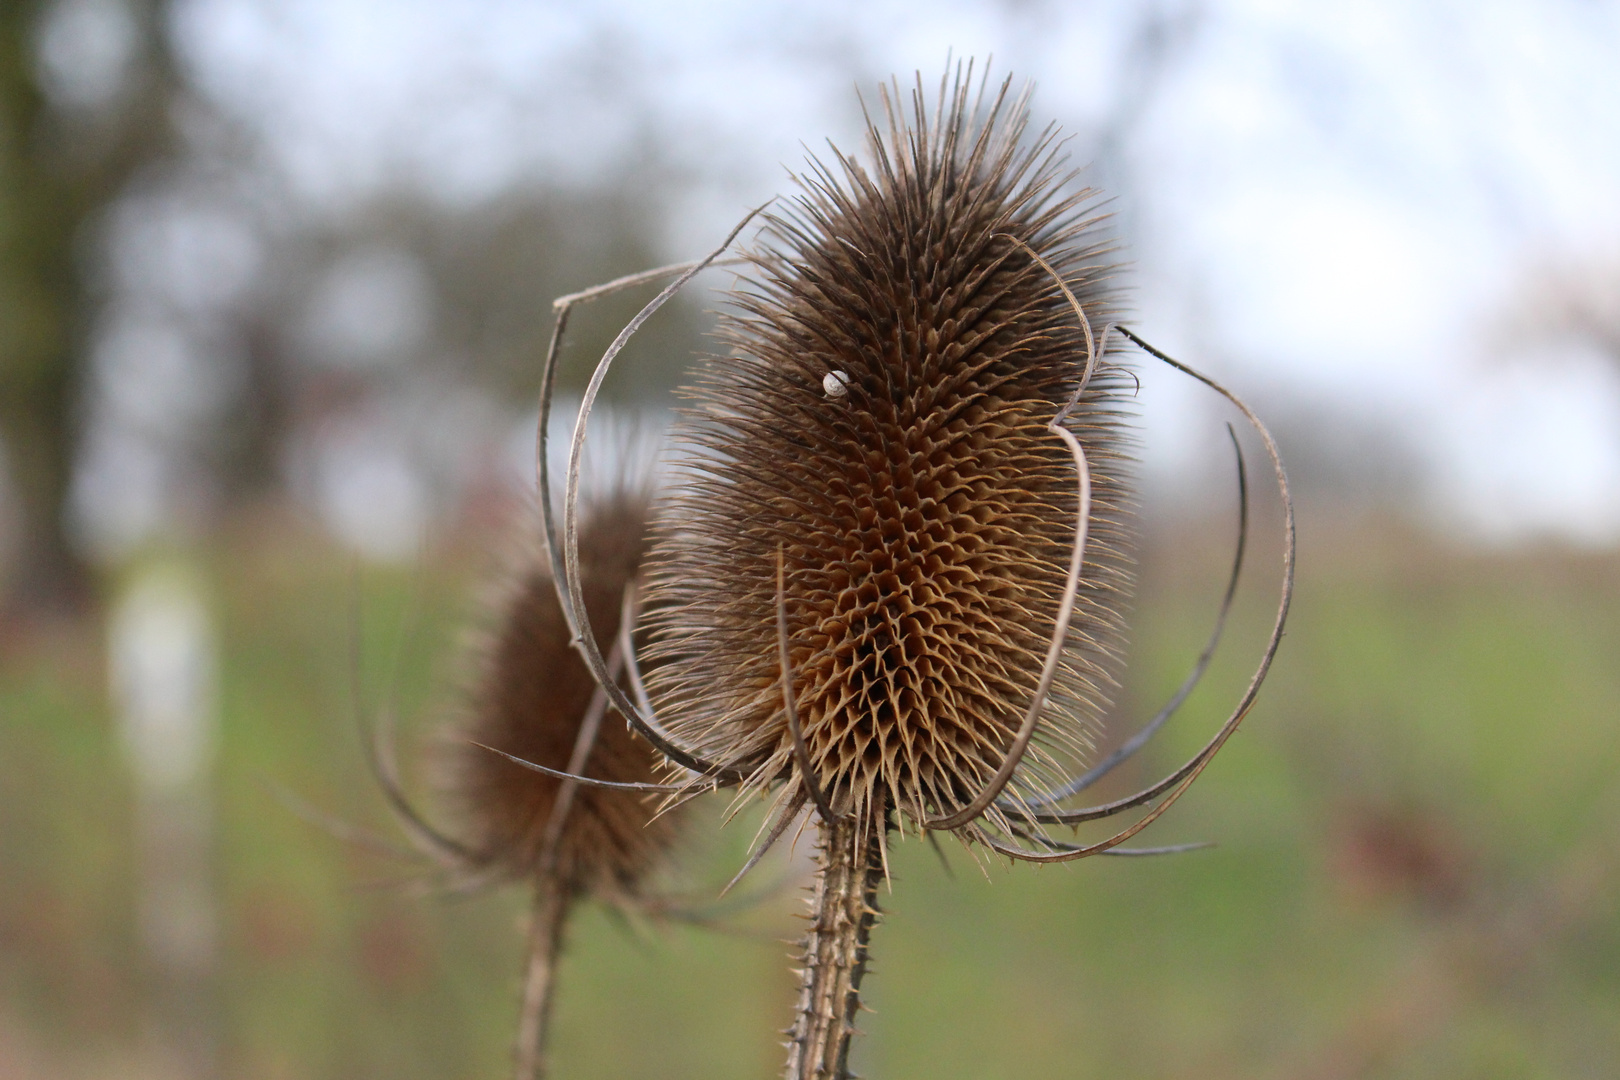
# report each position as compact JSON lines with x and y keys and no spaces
{"x":551,"y":899}
{"x":843,"y":911}
{"x":549,"y":913}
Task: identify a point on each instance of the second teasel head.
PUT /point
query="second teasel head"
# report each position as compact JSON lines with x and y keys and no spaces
{"x":529,"y":693}
{"x":878,"y":426}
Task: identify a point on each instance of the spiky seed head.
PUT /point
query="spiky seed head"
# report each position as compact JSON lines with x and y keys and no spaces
{"x":530,"y":695}
{"x":880,"y":416}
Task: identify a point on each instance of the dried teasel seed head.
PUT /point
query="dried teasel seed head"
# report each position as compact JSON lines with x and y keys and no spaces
{"x":879,"y":417}
{"x":531,"y":694}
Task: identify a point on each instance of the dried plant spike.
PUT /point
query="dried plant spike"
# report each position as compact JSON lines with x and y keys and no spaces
{"x":928,"y":511}
{"x":890,"y":583}
{"x":531,"y":696}
{"x":905,"y":499}
{"x":538,"y":807}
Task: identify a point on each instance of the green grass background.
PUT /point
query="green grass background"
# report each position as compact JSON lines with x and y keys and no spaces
{"x":1417,"y":871}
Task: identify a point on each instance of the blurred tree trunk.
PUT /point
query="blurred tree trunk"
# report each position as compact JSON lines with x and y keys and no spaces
{"x":57,"y":173}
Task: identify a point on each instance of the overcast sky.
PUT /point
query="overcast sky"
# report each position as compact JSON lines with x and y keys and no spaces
{"x":1333,"y":202}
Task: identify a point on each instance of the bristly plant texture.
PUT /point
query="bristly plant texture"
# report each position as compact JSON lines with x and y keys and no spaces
{"x":877,"y":429}
{"x":530,"y":695}
{"x":924,"y":512}
{"x":534,"y":699}
{"x":888,"y":584}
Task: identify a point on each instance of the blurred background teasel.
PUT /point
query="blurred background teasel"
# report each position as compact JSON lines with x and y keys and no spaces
{"x":274,"y":284}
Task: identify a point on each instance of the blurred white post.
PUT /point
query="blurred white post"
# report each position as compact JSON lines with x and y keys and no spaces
{"x":163,"y":664}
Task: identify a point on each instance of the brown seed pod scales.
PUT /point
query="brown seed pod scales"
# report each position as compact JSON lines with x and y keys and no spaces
{"x":530,"y":694}
{"x":880,"y":418}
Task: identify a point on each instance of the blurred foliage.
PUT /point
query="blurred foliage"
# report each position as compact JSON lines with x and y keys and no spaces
{"x":161,"y":300}
{"x":1415,"y":874}
{"x":492,"y":270}
{"x":58,"y":172}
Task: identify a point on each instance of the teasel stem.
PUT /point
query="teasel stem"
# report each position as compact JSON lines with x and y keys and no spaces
{"x":843,"y":911}
{"x":547,"y":917}
{"x":552,"y":899}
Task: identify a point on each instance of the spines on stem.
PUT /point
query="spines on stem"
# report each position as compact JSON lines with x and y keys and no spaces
{"x":843,"y":911}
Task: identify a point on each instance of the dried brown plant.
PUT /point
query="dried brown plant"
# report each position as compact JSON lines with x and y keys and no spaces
{"x":890,"y":576}
{"x":532,"y":700}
